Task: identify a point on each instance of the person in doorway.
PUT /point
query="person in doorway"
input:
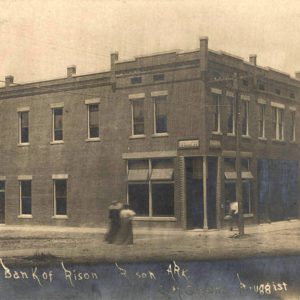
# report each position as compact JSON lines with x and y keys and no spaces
{"x":114,"y":221}
{"x":125,"y":234}
{"x":234,"y":213}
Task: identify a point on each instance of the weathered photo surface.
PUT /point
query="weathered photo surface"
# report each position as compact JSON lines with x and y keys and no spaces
{"x":149,"y":149}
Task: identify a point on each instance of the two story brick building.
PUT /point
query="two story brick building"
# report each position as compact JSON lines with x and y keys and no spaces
{"x":158,"y":132}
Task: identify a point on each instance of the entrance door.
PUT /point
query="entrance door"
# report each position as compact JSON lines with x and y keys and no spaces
{"x":194,"y":192}
{"x":2,"y":202}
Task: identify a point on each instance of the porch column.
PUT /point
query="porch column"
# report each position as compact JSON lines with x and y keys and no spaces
{"x":205,"y":224}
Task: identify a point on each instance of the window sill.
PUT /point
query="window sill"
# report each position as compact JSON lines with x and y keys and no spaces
{"x":138,"y":136}
{"x":246,"y":137}
{"x":93,"y":140}
{"x":23,"y":144}
{"x":24,"y":216}
{"x":160,"y":135}
{"x":60,"y":217}
{"x":56,"y":142}
{"x":278,"y":141}
{"x":230,"y":134}
{"x":162,"y":219}
{"x":263,"y":139}
{"x":217,"y":133}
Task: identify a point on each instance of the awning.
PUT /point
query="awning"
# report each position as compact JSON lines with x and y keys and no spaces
{"x":138,"y":175}
{"x":162,"y":174}
{"x":233,"y":175}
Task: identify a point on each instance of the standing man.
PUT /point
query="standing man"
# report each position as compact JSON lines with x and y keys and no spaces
{"x":114,"y":221}
{"x":234,"y":213}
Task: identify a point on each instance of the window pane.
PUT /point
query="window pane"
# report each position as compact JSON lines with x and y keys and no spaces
{"x":26,"y":197}
{"x":292,"y":129}
{"x":230,"y":195}
{"x":161,"y":114}
{"x":163,"y":199}
{"x":24,"y":135}
{"x":58,"y":135}
{"x":24,"y":119}
{"x":61,"y":197}
{"x":94,"y":132}
{"x":138,"y":195}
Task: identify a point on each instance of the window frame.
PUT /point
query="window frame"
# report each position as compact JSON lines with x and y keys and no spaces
{"x":150,"y":182}
{"x":55,"y":179}
{"x":88,"y":121}
{"x":21,"y":214}
{"x":245,"y":105}
{"x":262,"y":121}
{"x":277,"y":111}
{"x":217,"y":113}
{"x":132,"y":117}
{"x":53,"y":108}
{"x":293,"y":125}
{"x":156,"y":98}
{"x":20,"y":113}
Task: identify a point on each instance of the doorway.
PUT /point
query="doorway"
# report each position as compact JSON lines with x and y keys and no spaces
{"x":195,"y":192}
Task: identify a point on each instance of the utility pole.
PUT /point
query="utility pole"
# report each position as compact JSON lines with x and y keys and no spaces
{"x":239,"y":196}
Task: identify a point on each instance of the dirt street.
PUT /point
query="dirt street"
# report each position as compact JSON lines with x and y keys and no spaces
{"x":81,"y":245}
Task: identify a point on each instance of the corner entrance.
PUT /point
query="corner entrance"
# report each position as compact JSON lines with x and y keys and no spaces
{"x":201,"y":198}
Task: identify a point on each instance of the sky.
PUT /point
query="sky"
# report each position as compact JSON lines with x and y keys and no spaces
{"x":39,"y":39}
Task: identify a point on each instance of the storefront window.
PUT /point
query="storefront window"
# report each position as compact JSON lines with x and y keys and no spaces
{"x":151,"y":187}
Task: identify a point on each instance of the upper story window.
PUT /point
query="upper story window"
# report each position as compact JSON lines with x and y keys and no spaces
{"x":93,"y":118}
{"x":292,"y":124}
{"x":57,"y":122}
{"x":277,"y":91}
{"x":216,"y":113}
{"x":261,"y":87}
{"x":138,"y":119}
{"x":231,"y":113}
{"x":277,"y":121}
{"x":158,"y":77}
{"x":160,"y":112}
{"x":23,"y":126}
{"x":245,"y":115}
{"x":292,"y":95}
{"x":261,"y":120}
{"x":136,"y":80}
